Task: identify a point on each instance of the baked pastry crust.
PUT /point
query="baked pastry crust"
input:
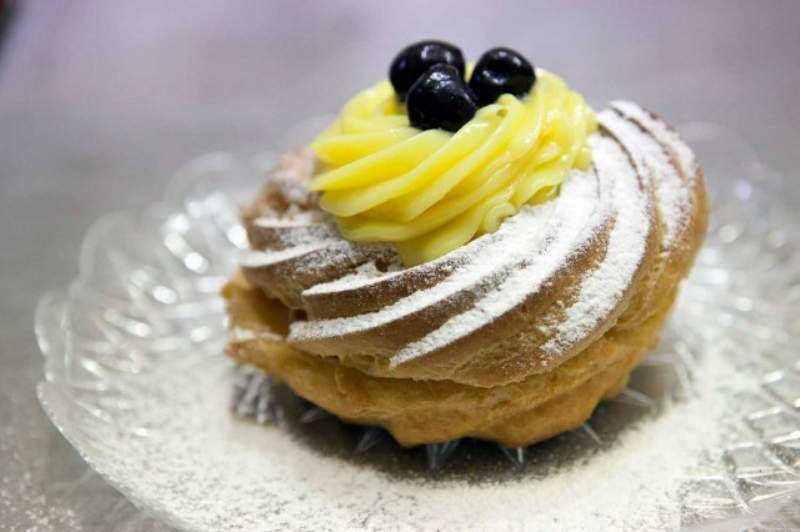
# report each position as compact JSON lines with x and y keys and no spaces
{"x":516,"y":376}
{"x":416,"y":412}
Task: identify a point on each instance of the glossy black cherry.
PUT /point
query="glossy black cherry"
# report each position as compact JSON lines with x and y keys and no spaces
{"x":414,"y":60}
{"x":441,"y":99}
{"x":500,"y":71}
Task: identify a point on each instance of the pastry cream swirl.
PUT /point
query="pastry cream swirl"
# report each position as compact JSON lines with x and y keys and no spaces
{"x":429,"y":192}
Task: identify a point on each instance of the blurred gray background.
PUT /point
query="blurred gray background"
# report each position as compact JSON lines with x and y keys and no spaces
{"x":101,"y":101}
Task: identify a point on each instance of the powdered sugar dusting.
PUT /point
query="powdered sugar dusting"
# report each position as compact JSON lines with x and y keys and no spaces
{"x":287,"y":233}
{"x":578,"y":215}
{"x":260,"y":259}
{"x":364,"y":275}
{"x":526,"y":235}
{"x":685,"y":156}
{"x":601,"y":290}
{"x":672,"y":195}
{"x":531,"y":219}
{"x":455,"y":260}
{"x":269,"y":222}
{"x":240,"y":334}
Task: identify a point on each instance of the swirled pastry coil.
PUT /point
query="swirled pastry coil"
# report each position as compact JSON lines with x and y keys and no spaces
{"x":513,"y":337}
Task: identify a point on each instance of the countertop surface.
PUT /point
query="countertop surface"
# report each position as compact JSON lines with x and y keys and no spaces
{"x":100,"y":102}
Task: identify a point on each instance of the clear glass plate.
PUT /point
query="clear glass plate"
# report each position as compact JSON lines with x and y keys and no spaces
{"x":707,"y":434}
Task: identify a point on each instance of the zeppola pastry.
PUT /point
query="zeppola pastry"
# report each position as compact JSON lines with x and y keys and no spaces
{"x":467,"y":251}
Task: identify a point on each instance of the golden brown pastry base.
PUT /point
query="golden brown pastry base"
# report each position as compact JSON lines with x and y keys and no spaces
{"x":416,"y":412}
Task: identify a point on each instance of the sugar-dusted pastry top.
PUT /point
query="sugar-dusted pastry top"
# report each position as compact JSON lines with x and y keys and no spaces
{"x":467,"y":251}
{"x":429,"y":191}
{"x":549,"y":281}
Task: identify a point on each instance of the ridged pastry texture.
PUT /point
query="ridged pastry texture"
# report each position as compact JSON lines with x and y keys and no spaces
{"x":513,"y":337}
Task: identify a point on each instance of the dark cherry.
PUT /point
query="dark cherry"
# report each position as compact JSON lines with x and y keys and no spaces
{"x":500,"y":71}
{"x":414,"y":60}
{"x":441,"y":99}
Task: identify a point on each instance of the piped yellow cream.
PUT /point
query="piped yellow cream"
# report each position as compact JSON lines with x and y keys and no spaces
{"x":430,"y":192}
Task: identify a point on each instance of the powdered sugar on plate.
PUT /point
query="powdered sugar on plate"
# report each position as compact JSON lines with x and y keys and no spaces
{"x":199,"y":468}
